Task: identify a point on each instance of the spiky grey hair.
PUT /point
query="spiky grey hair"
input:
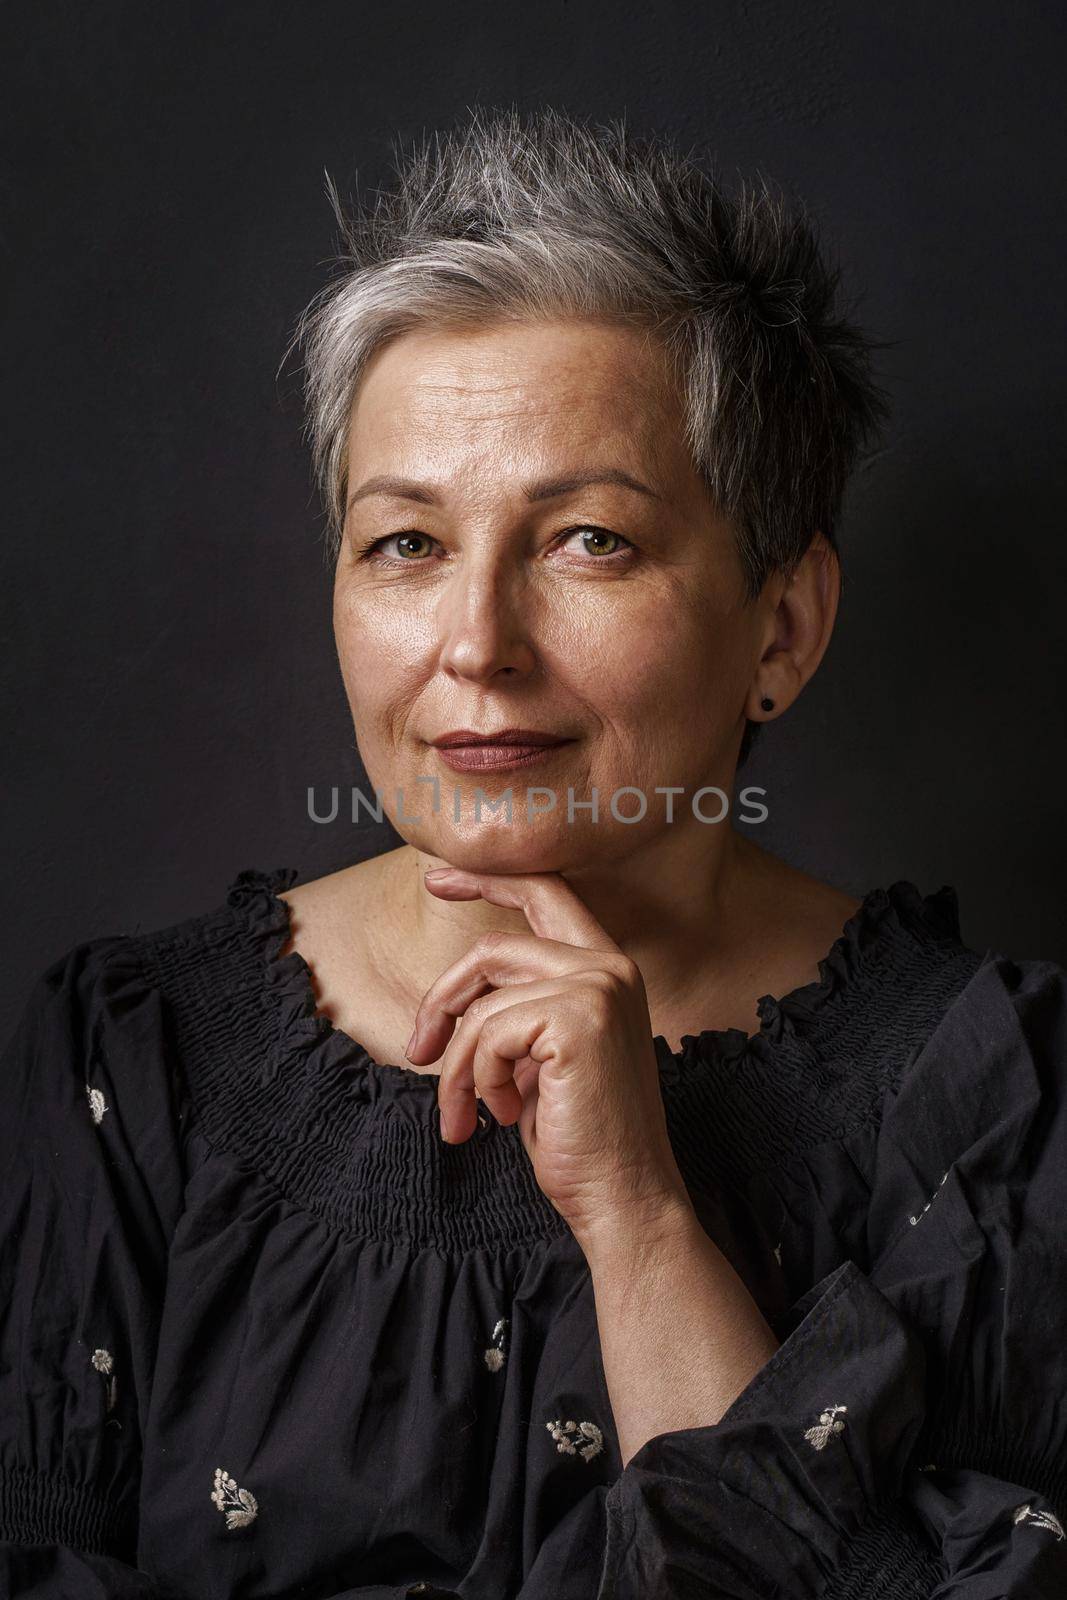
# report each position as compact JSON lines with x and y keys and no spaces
{"x":542,"y":216}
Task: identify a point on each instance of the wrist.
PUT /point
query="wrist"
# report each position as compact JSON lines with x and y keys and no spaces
{"x":630,"y":1236}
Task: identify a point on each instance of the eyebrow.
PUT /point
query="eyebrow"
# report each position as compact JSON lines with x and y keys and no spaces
{"x":543,"y":489}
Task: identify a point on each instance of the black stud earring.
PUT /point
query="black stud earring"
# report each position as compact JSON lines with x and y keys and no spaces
{"x":766,"y":704}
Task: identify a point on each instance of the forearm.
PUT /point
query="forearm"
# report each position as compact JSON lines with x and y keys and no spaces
{"x":679,"y":1333}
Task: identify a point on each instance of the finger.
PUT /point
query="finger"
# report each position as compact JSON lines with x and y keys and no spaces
{"x":490,"y":1076}
{"x":462,"y":1070}
{"x":487,"y":1065}
{"x":552,"y":908}
{"x":493,"y":961}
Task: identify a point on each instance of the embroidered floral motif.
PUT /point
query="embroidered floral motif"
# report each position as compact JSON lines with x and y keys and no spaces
{"x":829,"y":1423}
{"x":494,"y":1356}
{"x":929,"y":1203}
{"x":1040,"y":1519}
{"x":97,"y":1104}
{"x":582,"y":1438}
{"x":104,"y":1363}
{"x":239,"y":1504}
{"x":778,"y":1252}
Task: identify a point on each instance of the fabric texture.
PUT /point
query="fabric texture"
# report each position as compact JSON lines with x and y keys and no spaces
{"x":262,"y":1334}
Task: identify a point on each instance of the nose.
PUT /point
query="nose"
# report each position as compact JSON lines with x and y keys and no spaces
{"x":485,"y":620}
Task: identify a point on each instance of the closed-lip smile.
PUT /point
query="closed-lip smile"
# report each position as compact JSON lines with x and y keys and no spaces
{"x":464,"y":750}
{"x":526,"y":736}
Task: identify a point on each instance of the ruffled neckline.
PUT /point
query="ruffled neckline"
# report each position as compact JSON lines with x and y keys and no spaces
{"x":889,"y":919}
{"x":357,"y":1141}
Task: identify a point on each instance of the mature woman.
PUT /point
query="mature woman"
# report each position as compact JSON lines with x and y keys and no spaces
{"x":390,"y":1234}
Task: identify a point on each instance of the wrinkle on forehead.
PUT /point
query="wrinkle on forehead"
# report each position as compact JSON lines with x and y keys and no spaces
{"x":586,"y":390}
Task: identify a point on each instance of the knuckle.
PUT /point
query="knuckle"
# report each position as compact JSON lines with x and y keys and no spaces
{"x":625,"y":969}
{"x":492,"y":1021}
{"x":470,"y":1020}
{"x":479,"y":1012}
{"x":601,"y":1001}
{"x":611,"y":984}
{"x":490,"y":1068}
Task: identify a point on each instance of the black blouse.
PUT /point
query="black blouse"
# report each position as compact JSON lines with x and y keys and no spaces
{"x":262,"y":1334}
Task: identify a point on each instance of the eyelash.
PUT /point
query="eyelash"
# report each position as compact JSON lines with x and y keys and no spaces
{"x":371,"y":549}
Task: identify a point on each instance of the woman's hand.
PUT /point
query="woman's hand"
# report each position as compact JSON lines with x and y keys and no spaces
{"x":553,"y":1032}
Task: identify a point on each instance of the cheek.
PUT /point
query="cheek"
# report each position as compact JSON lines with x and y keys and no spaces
{"x":675,"y":692}
{"x":675,"y":666}
{"x":366,"y":621}
{"x":382,"y":647}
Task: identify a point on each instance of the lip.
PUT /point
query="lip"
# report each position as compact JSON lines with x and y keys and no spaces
{"x":462,"y":737}
{"x":496,"y":757}
{"x":466,"y":751}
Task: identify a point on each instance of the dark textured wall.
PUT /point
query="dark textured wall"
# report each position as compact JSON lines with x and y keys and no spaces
{"x":169,"y":677}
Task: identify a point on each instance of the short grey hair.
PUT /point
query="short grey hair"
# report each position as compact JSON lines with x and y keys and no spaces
{"x":542,"y":216}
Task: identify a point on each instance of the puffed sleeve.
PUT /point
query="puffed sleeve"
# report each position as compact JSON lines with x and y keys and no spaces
{"x":90,"y":1191}
{"x":908,"y":1438}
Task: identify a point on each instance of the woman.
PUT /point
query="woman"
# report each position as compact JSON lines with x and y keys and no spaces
{"x":575,"y":1302}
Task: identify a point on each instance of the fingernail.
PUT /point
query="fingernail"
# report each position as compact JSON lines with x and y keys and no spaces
{"x":412,"y":1042}
{"x":437,"y":872}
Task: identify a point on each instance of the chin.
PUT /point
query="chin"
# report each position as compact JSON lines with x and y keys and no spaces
{"x":519,"y":848}
{"x":504,"y":849}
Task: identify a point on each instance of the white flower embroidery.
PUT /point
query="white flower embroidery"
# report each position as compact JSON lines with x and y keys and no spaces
{"x":1041,"y":1519}
{"x":97,"y":1104}
{"x":104,"y":1363}
{"x":829,"y":1423}
{"x":589,"y":1437}
{"x":778,"y":1252}
{"x":239,"y":1504}
{"x":929,"y":1203}
{"x":494,"y":1356}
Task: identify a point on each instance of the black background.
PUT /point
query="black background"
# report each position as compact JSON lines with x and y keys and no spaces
{"x":169,"y":671}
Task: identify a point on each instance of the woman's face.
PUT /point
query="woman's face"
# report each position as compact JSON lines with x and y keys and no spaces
{"x":543,"y":556}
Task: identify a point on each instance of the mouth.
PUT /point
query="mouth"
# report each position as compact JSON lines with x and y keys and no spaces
{"x":466,"y":751}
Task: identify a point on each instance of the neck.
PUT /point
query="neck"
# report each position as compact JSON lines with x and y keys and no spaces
{"x":680,"y":907}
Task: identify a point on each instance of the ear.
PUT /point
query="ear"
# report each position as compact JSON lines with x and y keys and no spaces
{"x":799,"y":615}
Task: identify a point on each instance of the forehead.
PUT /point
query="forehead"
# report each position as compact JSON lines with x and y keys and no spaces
{"x":528,"y":390}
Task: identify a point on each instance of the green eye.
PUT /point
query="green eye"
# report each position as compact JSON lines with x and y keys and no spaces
{"x":407,"y":544}
{"x":405,"y":539}
{"x":598,"y":541}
